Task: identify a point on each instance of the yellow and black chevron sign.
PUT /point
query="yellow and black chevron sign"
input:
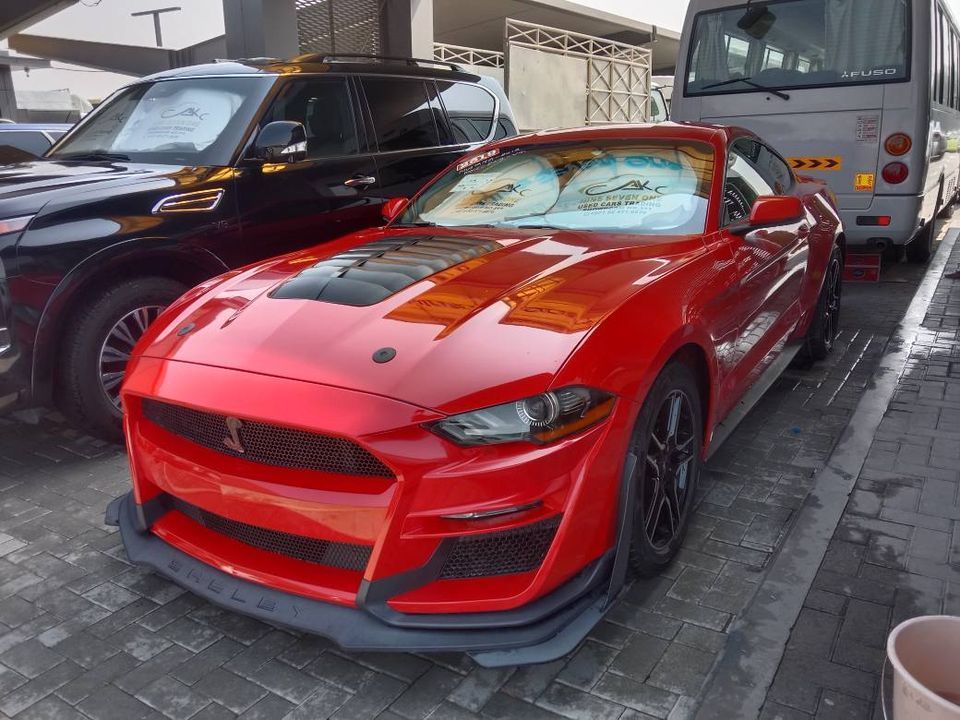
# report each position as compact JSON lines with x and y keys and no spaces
{"x":816,"y":163}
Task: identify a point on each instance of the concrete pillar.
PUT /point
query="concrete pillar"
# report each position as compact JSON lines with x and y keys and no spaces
{"x":8,"y":99}
{"x":408,"y":28}
{"x":261,"y":28}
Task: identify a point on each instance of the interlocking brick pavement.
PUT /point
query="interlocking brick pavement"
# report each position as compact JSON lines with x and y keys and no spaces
{"x":83,"y":634}
{"x":896,"y":552}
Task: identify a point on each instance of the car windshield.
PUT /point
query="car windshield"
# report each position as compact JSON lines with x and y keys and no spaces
{"x":649,"y":187}
{"x":190,"y":121}
{"x":799,"y":44}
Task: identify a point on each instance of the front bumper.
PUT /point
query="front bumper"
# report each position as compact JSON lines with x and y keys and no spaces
{"x":541,"y":631}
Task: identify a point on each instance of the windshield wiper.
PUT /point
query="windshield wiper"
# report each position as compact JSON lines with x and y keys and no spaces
{"x":535,"y":227}
{"x":94,"y":156}
{"x":419,"y":223}
{"x":747,"y":81}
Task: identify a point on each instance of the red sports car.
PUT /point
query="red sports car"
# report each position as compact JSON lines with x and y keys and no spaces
{"x":462,"y":431}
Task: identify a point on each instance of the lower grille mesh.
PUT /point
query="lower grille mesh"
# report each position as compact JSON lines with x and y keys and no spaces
{"x":322,"y":552}
{"x":500,"y":553}
{"x":266,"y":444}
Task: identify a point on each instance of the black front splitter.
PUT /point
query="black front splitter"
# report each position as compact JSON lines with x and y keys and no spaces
{"x":353,"y":628}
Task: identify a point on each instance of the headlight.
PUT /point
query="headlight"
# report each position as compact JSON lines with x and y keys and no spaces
{"x":12,"y":225}
{"x":539,"y":419}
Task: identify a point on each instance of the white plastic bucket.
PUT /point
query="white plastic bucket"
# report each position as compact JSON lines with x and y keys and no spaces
{"x":925,"y":655}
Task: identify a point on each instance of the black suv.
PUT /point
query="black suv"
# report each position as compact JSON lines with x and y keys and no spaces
{"x":191,"y":172}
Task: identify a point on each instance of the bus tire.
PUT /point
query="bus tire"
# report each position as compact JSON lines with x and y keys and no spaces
{"x":920,"y":248}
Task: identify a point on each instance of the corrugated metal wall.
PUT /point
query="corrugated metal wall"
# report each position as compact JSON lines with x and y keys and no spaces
{"x":338,"y":26}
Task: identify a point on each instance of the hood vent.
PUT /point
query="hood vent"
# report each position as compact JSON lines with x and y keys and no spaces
{"x":367,"y":274}
{"x":200,"y":201}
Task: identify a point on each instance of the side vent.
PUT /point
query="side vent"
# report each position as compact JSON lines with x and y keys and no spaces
{"x":200,"y":201}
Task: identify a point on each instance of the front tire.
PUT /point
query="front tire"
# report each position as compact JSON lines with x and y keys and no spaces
{"x":667,"y":442}
{"x":98,"y":345}
{"x":826,"y":320}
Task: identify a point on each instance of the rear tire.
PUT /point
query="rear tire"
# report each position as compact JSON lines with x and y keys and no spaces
{"x":826,"y":320}
{"x":667,"y":441}
{"x":97,"y":344}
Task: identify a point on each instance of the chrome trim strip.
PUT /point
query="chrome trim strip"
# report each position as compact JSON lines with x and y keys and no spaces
{"x":172,"y":203}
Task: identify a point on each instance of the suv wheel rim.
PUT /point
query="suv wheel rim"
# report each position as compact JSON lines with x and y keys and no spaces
{"x":117,"y":347}
{"x":668,"y":464}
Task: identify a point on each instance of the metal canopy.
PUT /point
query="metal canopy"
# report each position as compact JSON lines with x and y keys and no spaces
{"x":481,"y":25}
{"x":15,"y":15}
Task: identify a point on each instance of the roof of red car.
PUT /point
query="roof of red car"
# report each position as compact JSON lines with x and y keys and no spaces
{"x":667,"y":130}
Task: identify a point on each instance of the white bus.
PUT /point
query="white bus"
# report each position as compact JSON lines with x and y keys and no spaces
{"x":864,"y":94}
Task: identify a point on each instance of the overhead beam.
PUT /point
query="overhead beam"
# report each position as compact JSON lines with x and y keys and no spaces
{"x":124,"y":59}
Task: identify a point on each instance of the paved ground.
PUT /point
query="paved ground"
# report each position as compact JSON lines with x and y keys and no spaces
{"x":896,"y":551}
{"x":85,"y":635}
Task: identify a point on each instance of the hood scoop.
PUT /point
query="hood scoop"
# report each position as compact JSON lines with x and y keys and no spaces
{"x":369,"y":273}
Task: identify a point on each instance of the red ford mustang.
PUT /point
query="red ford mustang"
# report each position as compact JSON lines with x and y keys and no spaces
{"x":462,"y":430}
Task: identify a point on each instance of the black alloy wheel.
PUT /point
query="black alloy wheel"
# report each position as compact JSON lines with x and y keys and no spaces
{"x":826,"y":322}
{"x":667,"y":443}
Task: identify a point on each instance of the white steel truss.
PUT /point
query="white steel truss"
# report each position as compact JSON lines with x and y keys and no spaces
{"x":444,"y":52}
{"x":618,"y":74}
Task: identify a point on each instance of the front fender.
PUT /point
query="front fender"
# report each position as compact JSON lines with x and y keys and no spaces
{"x":150,"y":254}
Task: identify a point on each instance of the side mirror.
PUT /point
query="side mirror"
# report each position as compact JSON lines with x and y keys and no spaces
{"x":769,"y":210}
{"x":392,"y":208}
{"x":281,"y":141}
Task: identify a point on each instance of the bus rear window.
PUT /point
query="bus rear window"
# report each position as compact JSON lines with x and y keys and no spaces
{"x":799,"y":43}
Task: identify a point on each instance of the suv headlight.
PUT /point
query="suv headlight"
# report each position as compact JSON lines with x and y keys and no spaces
{"x":539,"y":419}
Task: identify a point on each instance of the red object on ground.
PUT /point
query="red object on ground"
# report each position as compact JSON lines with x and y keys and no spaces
{"x":294,"y":440}
{"x":862,"y":267}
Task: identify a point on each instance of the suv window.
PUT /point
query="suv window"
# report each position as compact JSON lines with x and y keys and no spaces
{"x":403,"y":115}
{"x":505,"y":128}
{"x":743,"y":186}
{"x":470,"y":110}
{"x":324,"y":107}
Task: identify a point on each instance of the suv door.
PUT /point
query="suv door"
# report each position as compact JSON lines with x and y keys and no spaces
{"x":771,"y":262}
{"x":287,"y":206}
{"x":421,"y":126}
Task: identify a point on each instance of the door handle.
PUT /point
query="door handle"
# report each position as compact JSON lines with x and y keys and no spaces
{"x":360,"y":181}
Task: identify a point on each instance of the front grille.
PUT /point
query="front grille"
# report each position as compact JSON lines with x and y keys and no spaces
{"x":267,"y":444}
{"x":500,"y":553}
{"x":322,"y":552}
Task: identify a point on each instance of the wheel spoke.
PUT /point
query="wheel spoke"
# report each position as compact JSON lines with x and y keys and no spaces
{"x":673,"y":419}
{"x":121,"y":331}
{"x":111,"y":380}
{"x":652,"y":520}
{"x":119,"y":344}
{"x":113,"y":354}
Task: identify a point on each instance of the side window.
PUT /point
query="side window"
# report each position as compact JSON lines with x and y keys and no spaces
{"x":402,"y":113}
{"x":505,"y":128}
{"x":323,"y":106}
{"x":34,"y":143}
{"x":744,"y":182}
{"x":469,"y":109}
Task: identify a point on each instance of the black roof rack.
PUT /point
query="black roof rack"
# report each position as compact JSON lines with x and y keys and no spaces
{"x":347,"y":57}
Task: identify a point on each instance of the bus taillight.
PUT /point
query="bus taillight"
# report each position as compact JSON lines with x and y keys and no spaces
{"x":898,"y":144}
{"x":895,"y":173}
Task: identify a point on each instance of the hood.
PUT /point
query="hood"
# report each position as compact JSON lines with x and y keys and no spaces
{"x":457,"y":314}
{"x":26,"y":187}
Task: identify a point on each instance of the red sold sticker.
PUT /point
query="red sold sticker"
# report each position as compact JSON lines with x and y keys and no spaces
{"x":476,"y":159}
